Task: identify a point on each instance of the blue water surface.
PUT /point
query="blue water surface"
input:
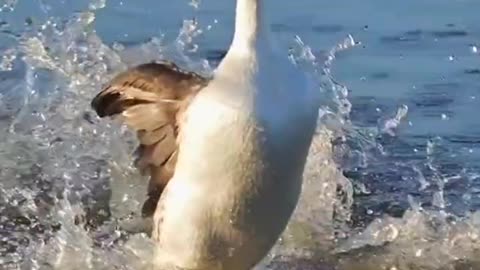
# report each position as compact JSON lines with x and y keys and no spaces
{"x":416,"y":55}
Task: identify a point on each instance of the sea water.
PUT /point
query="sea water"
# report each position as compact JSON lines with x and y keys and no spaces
{"x":391,"y":181}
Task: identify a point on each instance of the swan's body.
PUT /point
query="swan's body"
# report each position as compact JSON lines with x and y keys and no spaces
{"x":240,"y":152}
{"x":239,"y":170}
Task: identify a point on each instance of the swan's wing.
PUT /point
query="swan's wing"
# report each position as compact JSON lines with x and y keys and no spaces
{"x":151,"y":98}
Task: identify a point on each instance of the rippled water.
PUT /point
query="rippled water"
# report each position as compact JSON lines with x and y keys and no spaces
{"x":392,"y":180}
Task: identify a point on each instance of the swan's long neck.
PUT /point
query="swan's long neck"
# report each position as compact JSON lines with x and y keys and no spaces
{"x":250,"y":27}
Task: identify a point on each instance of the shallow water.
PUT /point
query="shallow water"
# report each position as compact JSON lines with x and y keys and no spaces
{"x":396,"y":189}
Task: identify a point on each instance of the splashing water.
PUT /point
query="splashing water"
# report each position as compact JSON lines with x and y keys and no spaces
{"x":98,"y":4}
{"x":391,"y":124}
{"x":195,"y":3}
{"x":7,"y":5}
{"x":70,"y":197}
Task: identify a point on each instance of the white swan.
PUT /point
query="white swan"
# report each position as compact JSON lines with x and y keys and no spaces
{"x":225,"y":154}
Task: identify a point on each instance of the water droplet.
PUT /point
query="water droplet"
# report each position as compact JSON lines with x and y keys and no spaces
{"x":195,"y":3}
{"x":8,"y":58}
{"x":8,"y":5}
{"x":474,"y":49}
{"x":28,"y":21}
{"x":97,"y":4}
{"x":438,"y":199}
{"x":419,"y":253}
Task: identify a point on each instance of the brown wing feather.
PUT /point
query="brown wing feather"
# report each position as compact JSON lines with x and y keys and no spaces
{"x":150,"y":99}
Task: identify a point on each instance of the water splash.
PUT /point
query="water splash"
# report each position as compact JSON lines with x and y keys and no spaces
{"x":60,"y":177}
{"x":8,"y":5}
{"x":68,"y":190}
{"x":8,"y":58}
{"x":336,"y":95}
{"x":195,"y":4}
{"x":188,"y":33}
{"x":389,"y":125}
{"x":97,"y":4}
